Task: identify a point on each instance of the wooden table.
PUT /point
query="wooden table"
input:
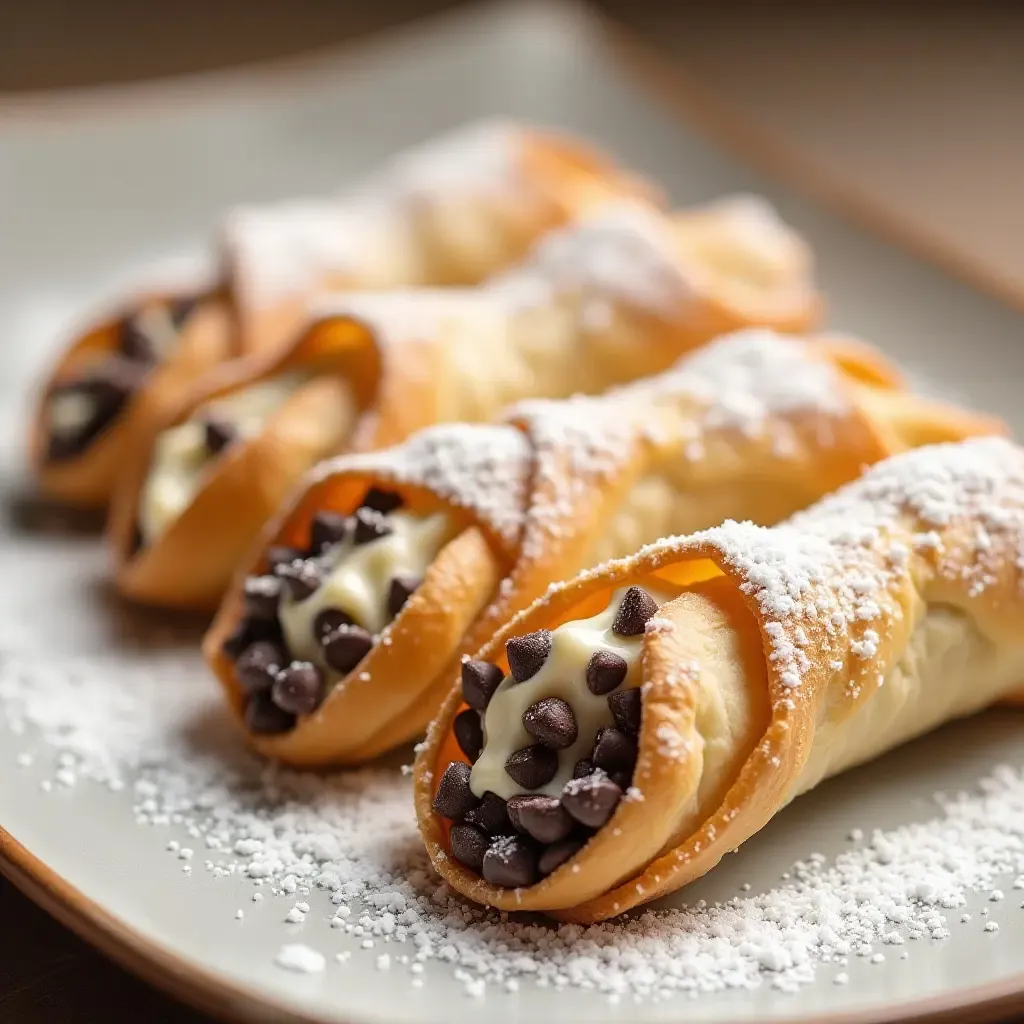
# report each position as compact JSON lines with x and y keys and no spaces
{"x":919,"y":119}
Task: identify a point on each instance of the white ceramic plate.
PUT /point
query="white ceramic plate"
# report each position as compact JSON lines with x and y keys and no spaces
{"x":90,"y":187}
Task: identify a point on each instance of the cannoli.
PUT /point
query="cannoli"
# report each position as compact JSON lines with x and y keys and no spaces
{"x":643,"y":720}
{"x":388,"y":568}
{"x":453,"y":212}
{"x":617,"y":295}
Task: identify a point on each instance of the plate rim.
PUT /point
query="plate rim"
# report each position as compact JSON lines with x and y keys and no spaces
{"x":691,"y":104}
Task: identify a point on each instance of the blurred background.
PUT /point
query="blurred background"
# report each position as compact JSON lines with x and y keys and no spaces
{"x":911,"y":114}
{"x":915,"y":109}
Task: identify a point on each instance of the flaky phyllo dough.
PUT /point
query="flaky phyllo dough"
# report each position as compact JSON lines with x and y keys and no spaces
{"x":620,"y":293}
{"x":755,"y":663}
{"x":341,"y":636}
{"x":452,"y":212}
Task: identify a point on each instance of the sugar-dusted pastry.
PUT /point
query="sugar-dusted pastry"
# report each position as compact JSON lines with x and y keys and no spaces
{"x":643,"y":720}
{"x":388,"y":568}
{"x":452,"y":212}
{"x":620,"y":293}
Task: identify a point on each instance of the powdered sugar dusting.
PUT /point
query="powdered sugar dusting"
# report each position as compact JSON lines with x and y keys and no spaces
{"x":623,"y":253}
{"x":479,"y":467}
{"x":349,"y":841}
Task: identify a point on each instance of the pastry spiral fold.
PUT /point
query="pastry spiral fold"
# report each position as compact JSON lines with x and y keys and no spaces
{"x":756,"y":662}
{"x":452,"y":212}
{"x":463,"y":526}
{"x":621,"y":293}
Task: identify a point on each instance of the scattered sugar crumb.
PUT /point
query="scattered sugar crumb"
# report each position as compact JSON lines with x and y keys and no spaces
{"x":300,"y":958}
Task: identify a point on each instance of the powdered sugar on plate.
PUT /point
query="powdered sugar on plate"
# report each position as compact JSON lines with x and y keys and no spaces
{"x":349,"y":839}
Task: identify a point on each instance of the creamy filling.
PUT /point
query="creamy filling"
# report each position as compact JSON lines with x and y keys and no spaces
{"x":357,"y":580}
{"x":71,"y":412}
{"x":183,"y":453}
{"x":563,"y":675}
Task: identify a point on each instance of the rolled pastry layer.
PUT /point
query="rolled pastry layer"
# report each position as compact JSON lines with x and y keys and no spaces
{"x":452,"y":212}
{"x":756,"y":426}
{"x":643,"y":720}
{"x":597,"y":303}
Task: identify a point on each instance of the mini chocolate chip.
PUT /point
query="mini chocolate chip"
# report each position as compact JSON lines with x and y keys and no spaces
{"x":592,"y":800}
{"x":135,"y":343}
{"x":636,"y":608}
{"x":512,"y":806}
{"x":279,"y":554}
{"x":218,"y":433}
{"x":544,"y":818}
{"x":262,"y":594}
{"x":605,"y":671}
{"x":557,"y":854}
{"x":479,"y":681}
{"x":400,"y":589}
{"x":108,"y":386}
{"x":327,"y":528}
{"x":551,"y":721}
{"x":584,"y":767}
{"x":327,"y":620}
{"x":625,"y":707}
{"x":370,"y":525}
{"x":302,"y":577}
{"x":490,"y":815}
{"x":468,"y":846}
{"x":454,"y":797}
{"x":526,"y":654}
{"x":510,"y":862}
{"x":469,"y":733}
{"x":299,"y":688}
{"x":265,"y":718}
{"x":346,"y":646}
{"x":532,"y":767}
{"x":622,"y":779}
{"x":382,"y":501}
{"x":248,"y":631}
{"x":179,"y":309}
{"x":258,"y":665}
{"x":615,"y":750}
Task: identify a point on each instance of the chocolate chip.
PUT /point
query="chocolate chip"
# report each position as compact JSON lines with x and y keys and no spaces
{"x":370,"y":525}
{"x":510,"y":862}
{"x":301,"y":577}
{"x":584,"y":767}
{"x":552,"y":722}
{"x":135,"y":343}
{"x":265,"y":718}
{"x":180,"y":308}
{"x":345,"y":647}
{"x":469,"y":733}
{"x":636,"y":608}
{"x":468,"y":846}
{"x":299,"y":688}
{"x":382,"y":501}
{"x":625,"y":707}
{"x":327,"y":620}
{"x":108,"y":387}
{"x":262,"y":594}
{"x":591,"y":800}
{"x":557,"y":854}
{"x":279,"y":554}
{"x":526,"y":654}
{"x":258,"y":665}
{"x":454,"y":797}
{"x":327,"y":528}
{"x":248,"y":631}
{"x":218,"y":433}
{"x":615,"y":750}
{"x":605,"y":671}
{"x":532,"y":767}
{"x":544,"y":818}
{"x":512,"y":806}
{"x":400,"y":589}
{"x":479,"y":681}
{"x":491,"y":815}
